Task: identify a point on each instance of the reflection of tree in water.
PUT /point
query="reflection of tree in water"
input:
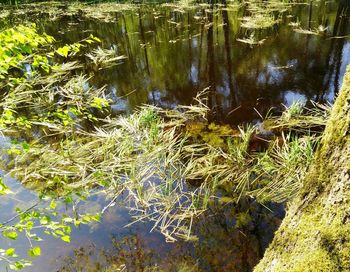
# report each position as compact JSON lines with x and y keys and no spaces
{"x":173,"y":54}
{"x":128,"y":253}
{"x":232,"y":239}
{"x":235,"y":67}
{"x":335,"y":55}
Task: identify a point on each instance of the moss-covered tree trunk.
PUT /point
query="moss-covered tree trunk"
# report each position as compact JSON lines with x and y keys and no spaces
{"x":315,"y":235}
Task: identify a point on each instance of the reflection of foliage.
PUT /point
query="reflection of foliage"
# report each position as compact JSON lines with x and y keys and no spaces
{"x":131,"y":253}
{"x":128,"y":253}
{"x":222,"y":238}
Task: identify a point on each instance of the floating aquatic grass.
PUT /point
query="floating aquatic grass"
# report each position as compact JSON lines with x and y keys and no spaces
{"x":285,"y":167}
{"x":101,"y":11}
{"x":263,"y":14}
{"x":153,"y":159}
{"x":306,"y":31}
{"x":252,"y":40}
{"x":105,"y":57}
{"x":320,"y":30}
{"x":4,"y":14}
{"x":299,"y":117}
{"x":258,"y":20}
{"x":170,"y":164}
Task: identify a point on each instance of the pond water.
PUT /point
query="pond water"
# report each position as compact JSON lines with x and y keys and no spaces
{"x":220,"y":246}
{"x":171,"y":54}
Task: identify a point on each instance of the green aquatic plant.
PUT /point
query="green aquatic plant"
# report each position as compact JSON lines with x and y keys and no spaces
{"x":299,"y":117}
{"x":152,"y":157}
{"x":105,"y":57}
{"x":263,"y":14}
{"x":251,"y":40}
{"x":103,"y":11}
{"x":35,"y":92}
{"x":282,"y":169}
{"x":49,"y":94}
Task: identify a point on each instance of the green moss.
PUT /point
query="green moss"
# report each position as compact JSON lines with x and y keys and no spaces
{"x":315,"y":235}
{"x":213,"y":134}
{"x":312,"y":244}
{"x":311,"y":262}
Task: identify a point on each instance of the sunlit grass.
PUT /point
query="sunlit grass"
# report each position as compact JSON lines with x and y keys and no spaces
{"x":300,"y":118}
{"x":105,"y":57}
{"x":169,"y":176}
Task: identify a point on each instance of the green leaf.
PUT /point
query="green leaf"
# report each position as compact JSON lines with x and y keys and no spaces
{"x":89,"y":41}
{"x":10,"y":234}
{"x":45,"y":220}
{"x":53,"y":204}
{"x":68,"y":220}
{"x":60,"y":232}
{"x":34,"y":252}
{"x":97,"y":217}
{"x":10,"y":252}
{"x":4,"y":190}
{"x":17,"y":265}
{"x":95,"y":38}
{"x":87,"y":218}
{"x":63,"y":51}
{"x":66,"y":238}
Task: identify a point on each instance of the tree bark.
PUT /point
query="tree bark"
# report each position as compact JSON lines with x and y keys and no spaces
{"x":315,"y":235}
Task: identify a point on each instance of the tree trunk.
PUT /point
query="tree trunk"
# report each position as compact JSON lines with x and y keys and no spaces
{"x":315,"y":235}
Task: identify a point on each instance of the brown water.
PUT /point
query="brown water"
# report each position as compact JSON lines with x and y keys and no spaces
{"x":171,"y":55}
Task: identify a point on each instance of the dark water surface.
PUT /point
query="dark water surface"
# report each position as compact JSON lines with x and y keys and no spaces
{"x":172,"y":54}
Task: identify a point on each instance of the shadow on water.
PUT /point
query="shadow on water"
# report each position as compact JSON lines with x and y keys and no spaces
{"x":171,"y":55}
